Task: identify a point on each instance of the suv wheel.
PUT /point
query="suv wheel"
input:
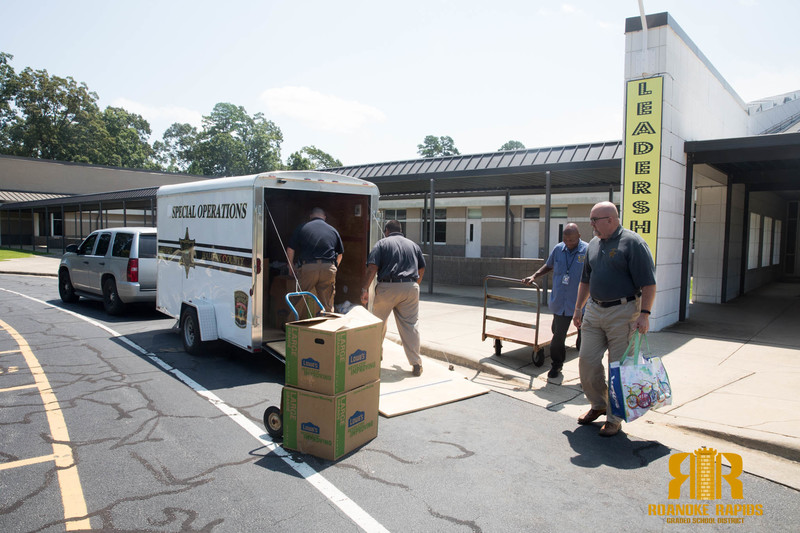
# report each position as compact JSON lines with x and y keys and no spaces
{"x":111,"y":301}
{"x":65,"y":288}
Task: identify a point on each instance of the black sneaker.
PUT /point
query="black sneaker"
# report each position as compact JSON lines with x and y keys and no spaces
{"x":417,"y":371}
{"x":554,"y":372}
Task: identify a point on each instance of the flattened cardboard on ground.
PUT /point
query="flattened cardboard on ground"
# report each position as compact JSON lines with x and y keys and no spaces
{"x":326,"y":426}
{"x":334,"y":354}
{"x":402,"y":393}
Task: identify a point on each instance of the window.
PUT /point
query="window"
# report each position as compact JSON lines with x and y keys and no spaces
{"x":754,"y":241}
{"x":439,"y":227}
{"x":87,"y":245}
{"x":147,"y":246}
{"x":766,"y":244}
{"x":558,"y":212}
{"x":395,"y":214}
{"x":530,"y":212}
{"x":776,"y":244}
{"x":102,"y":244}
{"x":122,"y":245}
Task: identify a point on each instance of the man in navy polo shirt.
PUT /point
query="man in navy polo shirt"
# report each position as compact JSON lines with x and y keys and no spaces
{"x":566,"y":263}
{"x":619,"y":283}
{"x":398,"y":264}
{"x":319,"y":251}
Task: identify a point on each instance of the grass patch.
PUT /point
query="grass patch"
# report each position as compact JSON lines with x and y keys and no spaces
{"x":7,"y":253}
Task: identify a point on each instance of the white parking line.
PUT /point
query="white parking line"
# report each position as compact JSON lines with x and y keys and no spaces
{"x":333,"y":494}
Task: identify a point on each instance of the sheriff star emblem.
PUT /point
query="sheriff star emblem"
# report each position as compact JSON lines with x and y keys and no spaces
{"x":187,"y":252}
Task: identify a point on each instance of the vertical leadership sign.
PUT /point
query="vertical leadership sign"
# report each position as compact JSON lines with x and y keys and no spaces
{"x":642,"y":177}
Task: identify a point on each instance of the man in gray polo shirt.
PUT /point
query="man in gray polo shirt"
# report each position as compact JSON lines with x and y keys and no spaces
{"x":399,"y":266}
{"x":619,"y":282}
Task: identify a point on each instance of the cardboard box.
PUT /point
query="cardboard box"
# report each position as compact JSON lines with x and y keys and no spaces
{"x":334,"y":354}
{"x":326,"y":426}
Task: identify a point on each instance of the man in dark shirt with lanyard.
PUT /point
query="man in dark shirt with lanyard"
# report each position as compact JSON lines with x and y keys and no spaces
{"x":566,"y":263}
{"x":399,"y":266}
{"x":619,"y":282}
{"x":320,"y":250}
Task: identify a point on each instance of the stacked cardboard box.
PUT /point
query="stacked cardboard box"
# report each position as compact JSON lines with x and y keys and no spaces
{"x":330,"y":402}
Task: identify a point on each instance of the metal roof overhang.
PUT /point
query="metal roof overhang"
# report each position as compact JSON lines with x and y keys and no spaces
{"x":762,"y":163}
{"x":109,"y":200}
{"x":574,"y":168}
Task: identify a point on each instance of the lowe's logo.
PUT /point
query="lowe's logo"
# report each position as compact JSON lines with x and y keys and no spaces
{"x":358,"y":356}
{"x":308,"y":427}
{"x":357,"y":418}
{"x":309,"y":362}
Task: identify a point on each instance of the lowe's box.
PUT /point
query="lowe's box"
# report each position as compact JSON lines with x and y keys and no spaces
{"x":335,"y":353}
{"x":330,"y":426}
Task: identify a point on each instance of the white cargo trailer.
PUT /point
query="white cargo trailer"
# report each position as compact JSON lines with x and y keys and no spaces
{"x":221,"y":250}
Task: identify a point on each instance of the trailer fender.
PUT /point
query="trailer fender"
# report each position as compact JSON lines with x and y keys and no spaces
{"x":206,"y":318}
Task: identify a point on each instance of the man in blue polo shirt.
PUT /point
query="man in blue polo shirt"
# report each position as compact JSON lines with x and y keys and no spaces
{"x":566,"y":263}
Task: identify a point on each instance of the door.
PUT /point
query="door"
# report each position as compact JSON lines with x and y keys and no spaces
{"x":98,"y":263}
{"x":79,"y":265}
{"x":556,"y":231}
{"x":530,"y":238}
{"x":473,"y":246}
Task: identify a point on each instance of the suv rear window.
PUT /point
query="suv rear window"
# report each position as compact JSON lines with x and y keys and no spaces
{"x":147,"y":246}
{"x":122,"y":245}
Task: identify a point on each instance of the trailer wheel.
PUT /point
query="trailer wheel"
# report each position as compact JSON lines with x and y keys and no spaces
{"x":273,"y":421}
{"x":190,"y":331}
{"x":538,"y":357}
{"x":498,"y":347}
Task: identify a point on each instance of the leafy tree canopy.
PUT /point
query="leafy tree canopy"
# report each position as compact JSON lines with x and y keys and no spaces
{"x":311,"y":158}
{"x":50,"y":117}
{"x":512,"y":145}
{"x":434,"y":146}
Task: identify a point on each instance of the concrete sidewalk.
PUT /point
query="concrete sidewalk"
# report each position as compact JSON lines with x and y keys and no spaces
{"x":734,"y":369}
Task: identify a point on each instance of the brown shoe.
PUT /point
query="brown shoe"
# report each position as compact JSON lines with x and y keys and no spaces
{"x":590,"y":416}
{"x":610,"y":429}
{"x":417,"y":371}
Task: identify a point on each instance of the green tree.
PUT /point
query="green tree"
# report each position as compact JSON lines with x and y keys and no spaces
{"x":231,"y":143}
{"x":173,"y":152}
{"x":434,"y":146}
{"x":50,"y":117}
{"x":512,"y":145}
{"x":316,"y":159}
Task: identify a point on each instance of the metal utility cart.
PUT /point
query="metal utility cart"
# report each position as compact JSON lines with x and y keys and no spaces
{"x":537,"y":334}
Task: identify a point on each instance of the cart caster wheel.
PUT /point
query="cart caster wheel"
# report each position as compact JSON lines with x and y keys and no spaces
{"x":273,"y":421}
{"x":538,"y":357}
{"x":498,"y":347}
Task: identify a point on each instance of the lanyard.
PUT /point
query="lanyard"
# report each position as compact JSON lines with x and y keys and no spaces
{"x":574,"y":255}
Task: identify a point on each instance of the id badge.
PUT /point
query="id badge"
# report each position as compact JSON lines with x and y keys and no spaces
{"x":565,"y":279}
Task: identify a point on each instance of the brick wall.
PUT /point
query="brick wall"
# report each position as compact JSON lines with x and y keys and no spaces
{"x":470,"y":271}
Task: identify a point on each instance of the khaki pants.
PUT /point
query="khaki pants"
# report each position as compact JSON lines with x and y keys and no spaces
{"x":604,"y":328}
{"x":320,"y":280}
{"x":403,"y":300}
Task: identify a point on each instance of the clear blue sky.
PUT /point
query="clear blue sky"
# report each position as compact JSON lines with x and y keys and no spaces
{"x":367,"y":80}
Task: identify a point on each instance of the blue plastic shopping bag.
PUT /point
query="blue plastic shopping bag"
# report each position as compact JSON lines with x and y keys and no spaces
{"x":637,"y":383}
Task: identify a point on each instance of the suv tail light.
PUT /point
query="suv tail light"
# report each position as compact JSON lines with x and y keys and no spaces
{"x":133,"y":270}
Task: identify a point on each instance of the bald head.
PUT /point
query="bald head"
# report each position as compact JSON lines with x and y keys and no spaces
{"x":571,"y":236}
{"x":605,"y":219}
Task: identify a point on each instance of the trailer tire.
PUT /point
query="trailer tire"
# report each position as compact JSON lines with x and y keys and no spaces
{"x":190,"y":332}
{"x":273,"y":421}
{"x":538,"y":357}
